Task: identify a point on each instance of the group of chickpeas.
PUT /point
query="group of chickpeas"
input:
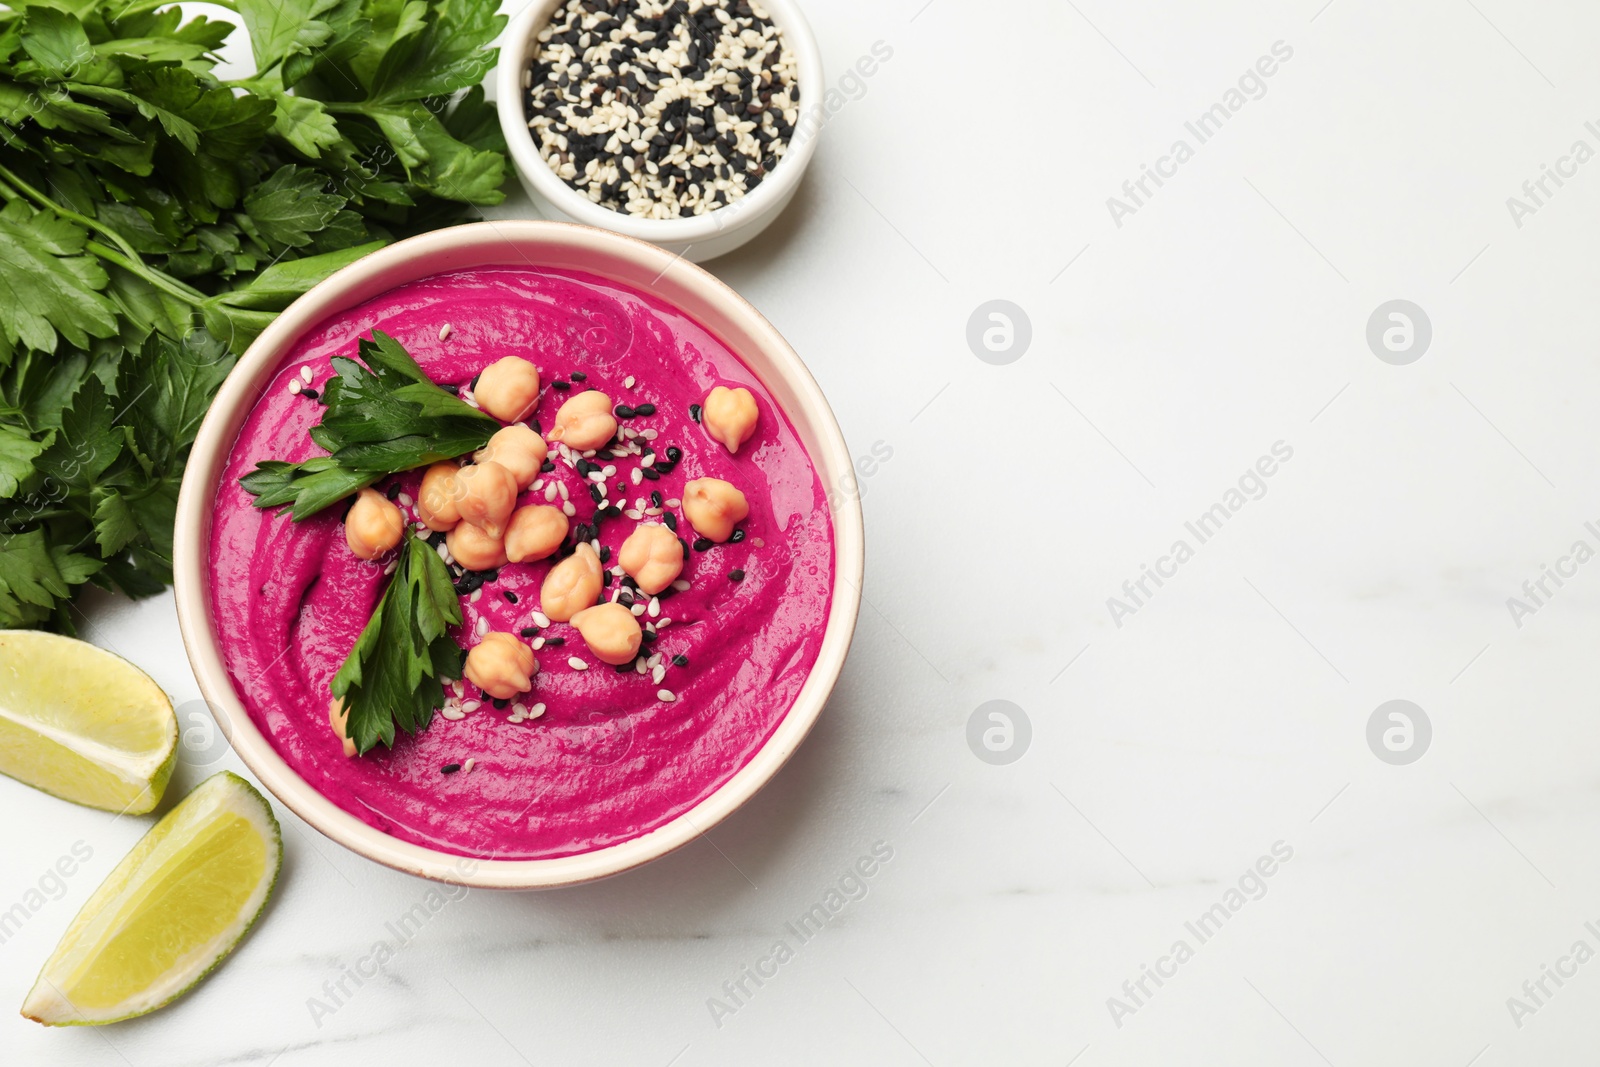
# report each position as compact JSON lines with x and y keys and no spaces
{"x":475,"y":506}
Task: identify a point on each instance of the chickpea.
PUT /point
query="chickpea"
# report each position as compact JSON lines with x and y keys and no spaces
{"x":729,"y":416}
{"x":339,"y":719}
{"x":488,"y":494}
{"x":652,"y":556}
{"x":572,"y":585}
{"x":508,"y":389}
{"x":374,"y":525}
{"x":501,"y":665}
{"x":534,"y":532}
{"x":437,"y":499}
{"x":712,"y":507}
{"x":585,"y":421}
{"x":474,"y":549}
{"x":519,"y":450}
{"x":610,"y":631}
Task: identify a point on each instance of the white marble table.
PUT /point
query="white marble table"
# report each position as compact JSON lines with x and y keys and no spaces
{"x":1178,"y":739}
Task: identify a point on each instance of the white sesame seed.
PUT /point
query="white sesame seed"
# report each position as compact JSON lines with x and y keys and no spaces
{"x":662,"y":624}
{"x":610,"y":470}
{"x":568,"y":510}
{"x":391,"y":566}
{"x":657,"y":673}
{"x":561,"y":487}
{"x":540,"y":619}
{"x":680,"y":586}
{"x":674,"y":503}
{"x":577,"y":664}
{"x":648,"y":435}
{"x":466,"y":768}
{"x":550,"y":491}
{"x":637,"y":476}
{"x":452,"y":714}
{"x":597,"y":476}
{"x":294,"y":386}
{"x":477,"y":595}
{"x":536,"y":711}
{"x":443,"y":550}
{"x":654,"y":661}
{"x":637,"y":609}
{"x":634,"y":513}
{"x":666,"y":696}
{"x":444,"y":332}
{"x":404,"y":500}
{"x":471,"y":705}
{"x":305,"y":375}
{"x":482,"y":627}
{"x":538,"y":643}
{"x":649,"y":459}
{"x":655,"y":606}
{"x":639,"y":666}
{"x":629,"y":382}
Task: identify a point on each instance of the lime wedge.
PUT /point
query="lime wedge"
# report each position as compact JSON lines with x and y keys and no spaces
{"x":82,"y":723}
{"x":173,"y":908}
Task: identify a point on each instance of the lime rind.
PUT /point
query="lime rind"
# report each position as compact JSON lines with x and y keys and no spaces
{"x":158,"y":854}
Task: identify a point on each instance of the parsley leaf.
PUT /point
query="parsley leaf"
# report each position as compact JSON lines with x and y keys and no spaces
{"x":405,"y":645}
{"x":382,"y":418}
{"x":47,"y":286}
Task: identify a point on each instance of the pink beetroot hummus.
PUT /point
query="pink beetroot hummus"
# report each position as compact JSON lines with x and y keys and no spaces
{"x":609,"y":759}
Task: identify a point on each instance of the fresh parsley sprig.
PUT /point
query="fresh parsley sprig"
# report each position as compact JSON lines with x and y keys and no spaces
{"x":382,"y":418}
{"x":154,"y":218}
{"x":394,"y":676}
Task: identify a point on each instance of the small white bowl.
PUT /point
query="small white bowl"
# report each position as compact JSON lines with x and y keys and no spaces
{"x":697,"y":237}
{"x":521,"y":244}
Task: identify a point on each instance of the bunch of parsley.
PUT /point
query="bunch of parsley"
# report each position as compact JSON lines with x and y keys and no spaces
{"x":155,"y":218}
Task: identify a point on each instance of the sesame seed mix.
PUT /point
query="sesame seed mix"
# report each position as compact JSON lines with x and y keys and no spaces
{"x":662,"y":108}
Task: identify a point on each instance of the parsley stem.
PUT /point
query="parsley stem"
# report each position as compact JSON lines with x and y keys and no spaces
{"x":128,"y":259}
{"x":167,"y":285}
{"x":81,"y":220}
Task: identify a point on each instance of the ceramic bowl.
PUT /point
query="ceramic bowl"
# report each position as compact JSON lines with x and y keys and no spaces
{"x":521,"y":244}
{"x":696,"y":238}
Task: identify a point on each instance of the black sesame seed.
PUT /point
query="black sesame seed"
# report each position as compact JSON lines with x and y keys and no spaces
{"x":450,"y":768}
{"x":623,"y":668}
{"x":546,"y":467}
{"x":650,"y":474}
{"x":680,"y":660}
{"x":655,"y":498}
{"x":738,"y":535}
{"x":671,"y":521}
{"x":685,"y":545}
{"x":394,"y":491}
{"x":529,"y":631}
{"x":664,"y":468}
{"x":453,"y":390}
{"x":736,"y":575}
{"x":645,"y":409}
{"x":625,"y":598}
{"x":309,"y":394}
{"x":622,"y":411}
{"x":649,"y":636}
{"x":472,"y":386}
{"x":694,"y":412}
{"x":579,"y":376}
{"x":605,"y":579}
{"x":701,"y":544}
{"x":555,"y":641}
{"x":501,"y":703}
{"x":674,"y":453}
{"x":595,"y":494}
{"x":563,"y":386}
{"x":605,"y":553}
{"x":511,"y":598}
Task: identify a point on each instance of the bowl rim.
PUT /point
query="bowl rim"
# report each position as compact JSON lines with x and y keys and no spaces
{"x":419,"y":257}
{"x":771,"y":195}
